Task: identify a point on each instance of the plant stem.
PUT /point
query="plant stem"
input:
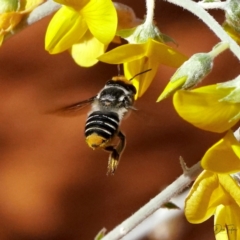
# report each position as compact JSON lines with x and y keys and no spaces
{"x":189,"y":175}
{"x":210,"y":22}
{"x":154,"y":204}
{"x":212,"y":5}
{"x":219,"y":48}
{"x":150,"y":4}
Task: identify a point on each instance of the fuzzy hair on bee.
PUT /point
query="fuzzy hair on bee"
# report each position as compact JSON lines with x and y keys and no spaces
{"x":108,"y":108}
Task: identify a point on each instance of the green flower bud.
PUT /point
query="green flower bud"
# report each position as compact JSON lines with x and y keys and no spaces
{"x":142,"y":33}
{"x":195,"y":69}
{"x":189,"y":74}
{"x":234,"y":95}
{"x":232,"y":10}
{"x":9,"y":6}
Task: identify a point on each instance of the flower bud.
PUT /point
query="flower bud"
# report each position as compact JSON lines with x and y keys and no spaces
{"x":234,"y":95}
{"x":141,"y":34}
{"x":189,"y":74}
{"x":232,"y":10}
{"x":9,"y":6}
{"x":126,"y":16}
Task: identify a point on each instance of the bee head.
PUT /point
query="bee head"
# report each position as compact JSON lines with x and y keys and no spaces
{"x":113,"y":97}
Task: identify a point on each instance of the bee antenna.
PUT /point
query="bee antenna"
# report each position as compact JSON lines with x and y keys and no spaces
{"x":140,"y":74}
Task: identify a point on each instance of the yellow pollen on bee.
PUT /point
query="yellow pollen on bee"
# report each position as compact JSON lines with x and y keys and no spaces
{"x":94,"y":141}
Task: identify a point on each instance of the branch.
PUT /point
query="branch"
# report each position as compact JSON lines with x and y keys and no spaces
{"x":150,"y":4}
{"x":153,"y":205}
{"x":212,"y":5}
{"x":196,"y":9}
{"x":37,"y":14}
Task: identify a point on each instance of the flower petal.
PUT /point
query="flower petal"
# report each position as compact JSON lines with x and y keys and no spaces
{"x":142,"y":81}
{"x":202,"y":108}
{"x":204,"y":196}
{"x":232,"y":221}
{"x":227,"y":222}
{"x":171,"y":87}
{"x":219,"y":223}
{"x":221,"y":157}
{"x":1,"y":39}
{"x":9,"y":20}
{"x":28,"y":5}
{"x":124,"y":53}
{"x":65,"y":29}
{"x":231,"y":187}
{"x":75,"y":4}
{"x":101,"y":18}
{"x":164,"y":54}
{"x":86,"y":52}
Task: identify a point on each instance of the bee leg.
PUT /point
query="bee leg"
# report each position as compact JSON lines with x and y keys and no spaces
{"x":114,"y":157}
{"x":113,"y":160}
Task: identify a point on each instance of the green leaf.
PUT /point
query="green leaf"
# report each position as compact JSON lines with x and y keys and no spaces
{"x":101,"y":234}
{"x":170,"y":205}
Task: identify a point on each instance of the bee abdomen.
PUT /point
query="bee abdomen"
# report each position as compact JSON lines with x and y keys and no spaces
{"x":103,"y":124}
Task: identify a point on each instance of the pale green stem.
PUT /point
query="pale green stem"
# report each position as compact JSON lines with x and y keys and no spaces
{"x":157,"y":202}
{"x":189,"y":175}
{"x":150,"y":4}
{"x":219,"y":48}
{"x":212,"y":5}
{"x":210,"y":22}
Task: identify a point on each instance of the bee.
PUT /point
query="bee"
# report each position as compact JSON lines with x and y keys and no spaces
{"x":108,"y":108}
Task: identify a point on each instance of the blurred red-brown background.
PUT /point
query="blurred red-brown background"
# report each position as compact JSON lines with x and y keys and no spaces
{"x":52,"y":186}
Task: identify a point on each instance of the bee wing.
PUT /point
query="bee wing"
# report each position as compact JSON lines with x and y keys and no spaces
{"x":71,"y":109}
{"x":79,"y":105}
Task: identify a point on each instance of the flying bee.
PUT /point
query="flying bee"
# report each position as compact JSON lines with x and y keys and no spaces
{"x":108,"y":108}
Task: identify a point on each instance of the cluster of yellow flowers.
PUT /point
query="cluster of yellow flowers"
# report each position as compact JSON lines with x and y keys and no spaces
{"x":216,"y":190}
{"x":214,"y":108}
{"x":85,"y":28}
{"x":12,"y":12}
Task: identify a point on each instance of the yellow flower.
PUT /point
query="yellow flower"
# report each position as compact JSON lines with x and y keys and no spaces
{"x":218,"y":195}
{"x":224,"y":156}
{"x":83,"y":27}
{"x":137,"y":58}
{"x":12,"y":12}
{"x":215,"y":192}
{"x":213,"y":108}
